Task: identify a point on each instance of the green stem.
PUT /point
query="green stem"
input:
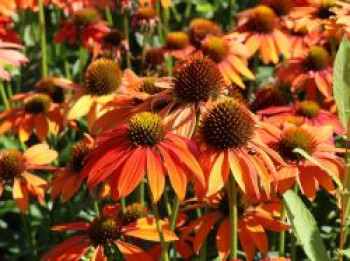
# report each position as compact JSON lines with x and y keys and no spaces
{"x":232,"y":192}
{"x":282,"y":237}
{"x":43,"y":39}
{"x":67,"y":69}
{"x":173,"y":219}
{"x":203,"y":250}
{"x":159,"y":26}
{"x":96,"y":207}
{"x":109,"y":16}
{"x":141,"y":192}
{"x":231,"y":12}
{"x":165,"y":256}
{"x":126,"y":32}
{"x":123,"y":203}
{"x":4,"y":96}
{"x":9,"y":89}
{"x":167,"y":202}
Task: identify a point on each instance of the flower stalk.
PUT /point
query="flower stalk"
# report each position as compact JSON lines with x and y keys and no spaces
{"x":232,"y":193}
{"x":44,"y":70}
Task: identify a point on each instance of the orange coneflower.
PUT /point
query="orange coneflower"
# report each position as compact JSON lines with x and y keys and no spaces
{"x":252,"y":222}
{"x":178,"y":45}
{"x":308,"y":112}
{"x":316,"y":15}
{"x":301,"y":41}
{"x":315,"y":142}
{"x":38,"y":115}
{"x":135,"y":96}
{"x":104,"y":232}
{"x":10,"y":57}
{"x":85,"y":26}
{"x":145,"y":17}
{"x":15,"y":170}
{"x":200,"y":28}
{"x":102,"y":78}
{"x":230,"y":56}
{"x":311,"y":72}
{"x":143,"y":146}
{"x":259,"y":28}
{"x":228,"y":141}
{"x":68,"y":180}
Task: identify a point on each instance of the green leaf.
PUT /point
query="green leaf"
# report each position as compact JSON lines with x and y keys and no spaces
{"x":305,"y":227}
{"x":315,"y":162}
{"x":341,"y":82}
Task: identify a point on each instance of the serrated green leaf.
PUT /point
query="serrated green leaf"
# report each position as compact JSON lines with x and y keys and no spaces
{"x":305,"y":227}
{"x":341,"y":82}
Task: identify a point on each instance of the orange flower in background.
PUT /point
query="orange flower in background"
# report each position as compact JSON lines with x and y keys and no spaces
{"x":11,"y":57}
{"x":316,"y":15}
{"x":301,"y":41}
{"x":311,"y":72}
{"x":103,"y":77}
{"x":228,"y":144}
{"x":308,"y":112}
{"x":68,"y":180}
{"x":315,"y":141}
{"x":7,"y":32}
{"x":259,"y":29}
{"x":253,"y":220}
{"x":178,"y":45}
{"x":104,"y":232}
{"x":38,"y":115}
{"x":200,"y":28}
{"x":85,"y":26}
{"x":8,"y":7}
{"x":16,"y":168}
{"x":144,"y":146}
{"x":230,"y":56}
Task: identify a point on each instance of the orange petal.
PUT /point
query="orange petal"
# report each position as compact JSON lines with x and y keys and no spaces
{"x":80,"y":108}
{"x":155,"y":174}
{"x":258,"y":235}
{"x":218,"y":174}
{"x":131,"y":252}
{"x":223,"y":239}
{"x":20,"y":195}
{"x":40,"y":154}
{"x":98,"y":255}
{"x":41,"y":126}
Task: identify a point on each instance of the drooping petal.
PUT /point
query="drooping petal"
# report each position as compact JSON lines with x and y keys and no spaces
{"x":40,"y":154}
{"x":155,"y":174}
{"x":71,"y":226}
{"x":20,"y":195}
{"x":223,"y":239}
{"x":131,"y":252}
{"x":98,"y":255}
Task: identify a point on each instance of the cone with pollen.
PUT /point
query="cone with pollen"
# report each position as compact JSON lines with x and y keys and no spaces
{"x":309,"y":109}
{"x":148,"y":86}
{"x":296,"y":137}
{"x":216,"y":48}
{"x":11,"y":165}
{"x":104,"y":231}
{"x":78,"y":153}
{"x":200,"y":28}
{"x":197,"y":80}
{"x":262,"y":19}
{"x":267,"y":96}
{"x":177,"y":40}
{"x":102,"y":77}
{"x":39,"y":103}
{"x":146,"y":129}
{"x":317,"y":58}
{"x":228,"y":125}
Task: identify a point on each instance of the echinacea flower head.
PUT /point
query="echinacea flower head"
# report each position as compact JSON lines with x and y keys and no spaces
{"x":178,"y":45}
{"x":315,"y":141}
{"x":104,"y":232}
{"x":53,"y":87}
{"x":145,"y":17}
{"x":102,"y":77}
{"x":259,"y":27}
{"x":310,"y":72}
{"x":143,"y":146}
{"x":37,"y":115}
{"x":307,"y":111}
{"x":253,"y":221}
{"x":280,"y":7}
{"x":230,"y":57}
{"x":68,"y":180}
{"x":16,"y":168}
{"x":316,"y":14}
{"x":200,"y":28}
{"x":268,"y":96}
{"x":228,"y":143}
